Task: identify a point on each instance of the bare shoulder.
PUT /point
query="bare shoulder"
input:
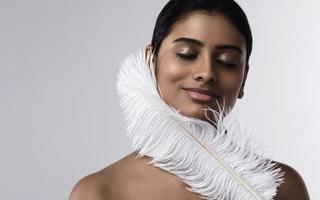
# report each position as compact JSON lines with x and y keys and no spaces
{"x":102,"y":185}
{"x":293,"y":187}
{"x":94,"y":187}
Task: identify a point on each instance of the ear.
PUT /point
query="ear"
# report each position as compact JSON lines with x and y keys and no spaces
{"x":241,"y":92}
{"x":148,"y":54}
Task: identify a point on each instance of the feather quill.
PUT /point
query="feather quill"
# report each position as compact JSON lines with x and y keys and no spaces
{"x":215,"y":165}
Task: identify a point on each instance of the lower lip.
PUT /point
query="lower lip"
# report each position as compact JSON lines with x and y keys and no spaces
{"x":198,"y":96}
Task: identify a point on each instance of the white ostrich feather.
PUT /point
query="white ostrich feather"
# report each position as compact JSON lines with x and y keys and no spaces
{"x":218,"y":162}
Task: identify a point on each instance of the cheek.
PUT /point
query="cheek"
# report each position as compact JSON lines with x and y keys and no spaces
{"x":230,"y":84}
{"x":170,"y":74}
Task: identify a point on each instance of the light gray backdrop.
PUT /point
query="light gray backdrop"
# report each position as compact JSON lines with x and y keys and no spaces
{"x":59,"y":113}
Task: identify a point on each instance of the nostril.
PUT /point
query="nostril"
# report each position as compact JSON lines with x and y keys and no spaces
{"x":213,"y":80}
{"x":199,"y":78}
{"x":207,"y":77}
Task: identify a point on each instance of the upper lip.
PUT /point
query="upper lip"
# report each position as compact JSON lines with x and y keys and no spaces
{"x":203,"y":91}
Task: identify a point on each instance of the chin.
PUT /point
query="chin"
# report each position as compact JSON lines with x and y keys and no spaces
{"x":194,"y":112}
{"x":197,"y":111}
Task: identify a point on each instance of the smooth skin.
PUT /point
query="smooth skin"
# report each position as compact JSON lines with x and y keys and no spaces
{"x":204,"y":51}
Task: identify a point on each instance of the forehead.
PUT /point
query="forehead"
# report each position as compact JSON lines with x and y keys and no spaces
{"x":211,"y":29}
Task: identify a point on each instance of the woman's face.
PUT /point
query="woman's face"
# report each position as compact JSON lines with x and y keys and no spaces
{"x":201,"y":63}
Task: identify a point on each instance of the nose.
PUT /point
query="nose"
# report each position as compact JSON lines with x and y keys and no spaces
{"x":204,"y":71}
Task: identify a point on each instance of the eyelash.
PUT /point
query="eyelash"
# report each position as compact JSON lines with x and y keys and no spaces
{"x":187,"y":57}
{"x":228,"y":65}
{"x":191,"y":57}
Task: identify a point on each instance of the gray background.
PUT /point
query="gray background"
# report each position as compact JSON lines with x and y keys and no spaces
{"x":59,"y":113}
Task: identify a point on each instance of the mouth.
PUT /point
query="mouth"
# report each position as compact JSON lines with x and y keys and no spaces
{"x":202,"y":95}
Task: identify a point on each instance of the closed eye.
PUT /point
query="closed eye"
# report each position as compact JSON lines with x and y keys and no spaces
{"x":226,"y":64}
{"x":187,"y":57}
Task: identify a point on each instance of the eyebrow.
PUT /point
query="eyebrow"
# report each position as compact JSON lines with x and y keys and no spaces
{"x":201,"y":44}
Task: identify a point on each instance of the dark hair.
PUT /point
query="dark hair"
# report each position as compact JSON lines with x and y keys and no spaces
{"x":175,"y":10}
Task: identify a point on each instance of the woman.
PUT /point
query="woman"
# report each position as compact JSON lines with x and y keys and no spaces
{"x":199,"y":57}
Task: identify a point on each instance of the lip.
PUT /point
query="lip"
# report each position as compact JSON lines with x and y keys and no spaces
{"x":202,"y":95}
